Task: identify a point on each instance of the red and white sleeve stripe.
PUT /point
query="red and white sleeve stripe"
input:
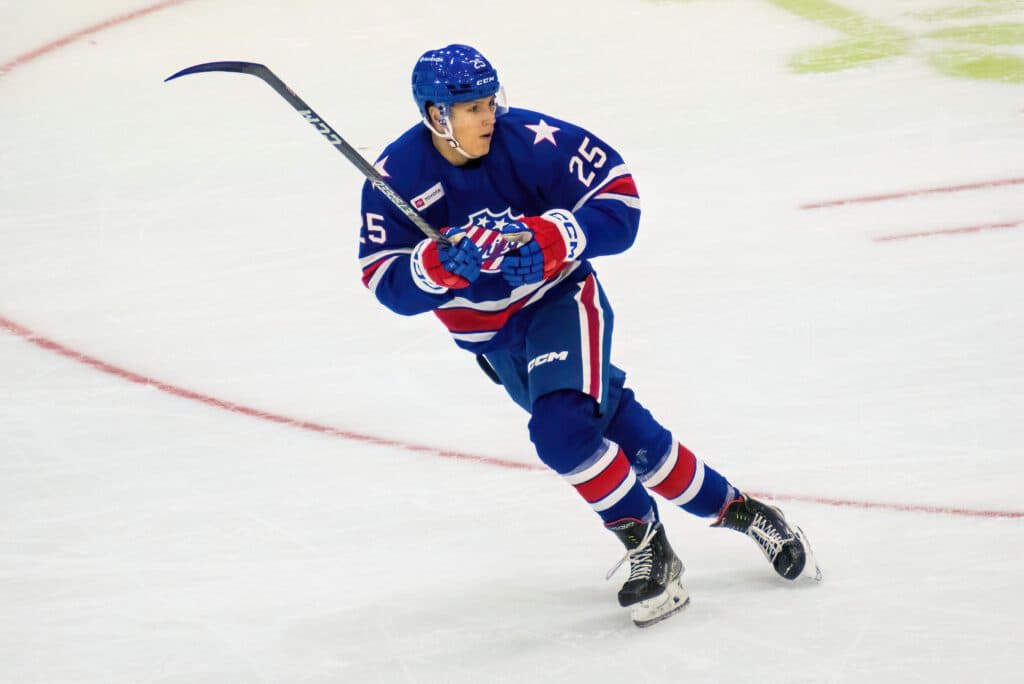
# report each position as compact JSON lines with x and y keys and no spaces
{"x":617,"y":185}
{"x":376,"y":265}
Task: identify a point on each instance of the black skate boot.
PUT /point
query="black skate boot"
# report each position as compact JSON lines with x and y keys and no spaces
{"x":654,"y":590}
{"x":786,"y":548}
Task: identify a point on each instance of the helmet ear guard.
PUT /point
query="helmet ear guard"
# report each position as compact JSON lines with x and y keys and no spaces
{"x":442,"y":127}
{"x":444,"y":113}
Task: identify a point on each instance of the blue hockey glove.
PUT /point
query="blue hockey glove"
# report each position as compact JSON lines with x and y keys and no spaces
{"x":550,"y":241}
{"x":437,"y":268}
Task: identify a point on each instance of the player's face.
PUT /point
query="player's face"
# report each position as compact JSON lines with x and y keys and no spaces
{"x":473,"y":124}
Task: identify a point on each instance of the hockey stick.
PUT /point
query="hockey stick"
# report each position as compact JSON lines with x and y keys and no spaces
{"x":263,"y":72}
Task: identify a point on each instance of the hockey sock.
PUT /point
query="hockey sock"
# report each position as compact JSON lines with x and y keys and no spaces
{"x":665,"y":466}
{"x":687,"y":482}
{"x":566,"y":430}
{"x":607,"y":482}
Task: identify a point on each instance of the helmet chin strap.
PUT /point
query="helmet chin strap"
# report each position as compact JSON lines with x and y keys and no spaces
{"x":447,"y":135}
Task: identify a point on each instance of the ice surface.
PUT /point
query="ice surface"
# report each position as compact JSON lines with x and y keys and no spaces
{"x":199,"y":235}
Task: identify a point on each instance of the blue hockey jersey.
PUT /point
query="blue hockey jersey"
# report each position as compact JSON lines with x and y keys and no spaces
{"x":536,"y":163}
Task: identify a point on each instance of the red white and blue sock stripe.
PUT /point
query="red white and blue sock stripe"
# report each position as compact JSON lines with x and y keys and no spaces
{"x":608,"y":483}
{"x":686,"y":481}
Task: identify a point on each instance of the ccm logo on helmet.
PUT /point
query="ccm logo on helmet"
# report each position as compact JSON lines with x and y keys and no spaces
{"x":546,"y":358}
{"x":485,"y":80}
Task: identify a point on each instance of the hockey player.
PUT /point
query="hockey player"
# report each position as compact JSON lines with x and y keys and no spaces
{"x":527,"y":200}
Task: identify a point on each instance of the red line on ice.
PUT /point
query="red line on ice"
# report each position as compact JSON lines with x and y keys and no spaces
{"x":913,"y":193}
{"x":52,"y":46}
{"x":183,"y":393}
{"x":232,"y":407}
{"x":889,"y":506}
{"x":950,"y":231}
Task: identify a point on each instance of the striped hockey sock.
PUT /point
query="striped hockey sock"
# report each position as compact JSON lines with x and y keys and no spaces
{"x":689,"y":483}
{"x":607,"y":482}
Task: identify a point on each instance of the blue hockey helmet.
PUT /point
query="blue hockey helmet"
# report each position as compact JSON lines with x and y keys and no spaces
{"x":456,"y":73}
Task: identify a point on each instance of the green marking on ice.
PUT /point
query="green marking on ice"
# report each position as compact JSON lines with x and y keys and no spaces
{"x":986,"y":66}
{"x":869,"y":40}
{"x":863,"y":40}
{"x":866,"y":39}
{"x":847,"y":54}
{"x":982,"y":34}
{"x":979,"y":64}
{"x":980,"y":8}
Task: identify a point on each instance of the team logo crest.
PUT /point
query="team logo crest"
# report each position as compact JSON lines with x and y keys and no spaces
{"x":484,"y":228}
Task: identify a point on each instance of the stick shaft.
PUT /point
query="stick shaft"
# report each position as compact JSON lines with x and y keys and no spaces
{"x":270,"y":78}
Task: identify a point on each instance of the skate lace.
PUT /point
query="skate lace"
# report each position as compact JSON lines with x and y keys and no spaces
{"x":641,"y":558}
{"x":767,"y":536}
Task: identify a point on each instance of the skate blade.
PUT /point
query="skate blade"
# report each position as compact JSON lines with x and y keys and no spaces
{"x":811,"y":569}
{"x":663,"y":606}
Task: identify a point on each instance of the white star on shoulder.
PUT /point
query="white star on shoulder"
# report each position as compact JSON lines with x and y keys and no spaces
{"x":543,"y":131}
{"x":380,"y":168}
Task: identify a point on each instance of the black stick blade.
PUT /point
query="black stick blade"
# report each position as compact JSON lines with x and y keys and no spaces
{"x":237,"y":67}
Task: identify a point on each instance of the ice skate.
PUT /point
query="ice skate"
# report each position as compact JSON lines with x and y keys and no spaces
{"x":654,"y":590}
{"x":785,"y":547}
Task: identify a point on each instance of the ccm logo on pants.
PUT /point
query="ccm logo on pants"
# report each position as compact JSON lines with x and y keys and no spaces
{"x":545,"y":358}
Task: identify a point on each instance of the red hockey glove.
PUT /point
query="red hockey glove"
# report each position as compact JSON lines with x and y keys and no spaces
{"x":552,"y":239}
{"x":438,"y":268}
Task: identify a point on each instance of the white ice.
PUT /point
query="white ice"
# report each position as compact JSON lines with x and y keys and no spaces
{"x":198,"y":233}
